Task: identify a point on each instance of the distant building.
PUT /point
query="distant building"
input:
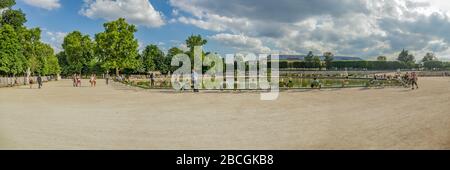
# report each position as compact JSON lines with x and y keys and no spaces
{"x":302,"y":57}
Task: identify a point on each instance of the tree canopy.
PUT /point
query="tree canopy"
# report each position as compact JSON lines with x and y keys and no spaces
{"x":309,"y":57}
{"x":329,"y":57}
{"x":429,"y":57}
{"x":195,"y":40}
{"x":116,"y":47}
{"x":7,"y":3}
{"x":15,"y":18}
{"x":152,"y":58}
{"x":78,"y":50}
{"x":21,"y":49}
{"x":381,"y":58}
{"x":316,"y":62}
{"x":405,"y":57}
{"x":12,"y":61}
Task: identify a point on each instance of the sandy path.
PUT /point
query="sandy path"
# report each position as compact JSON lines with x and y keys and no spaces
{"x":62,"y":117}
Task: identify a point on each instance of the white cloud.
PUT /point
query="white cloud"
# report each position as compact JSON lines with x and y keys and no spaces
{"x":55,"y":39}
{"x":175,"y":12}
{"x":241,"y":42}
{"x":437,"y":4}
{"x":183,"y":47}
{"x":363,"y":28}
{"x":45,"y":4}
{"x":141,"y":46}
{"x":139,"y":12}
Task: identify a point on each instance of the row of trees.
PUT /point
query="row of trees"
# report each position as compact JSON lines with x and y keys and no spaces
{"x":405,"y":60}
{"x":340,"y":65}
{"x":116,"y":49}
{"x":370,"y":65}
{"x":21,"y":50}
{"x":431,"y":62}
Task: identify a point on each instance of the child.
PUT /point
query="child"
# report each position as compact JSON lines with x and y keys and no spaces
{"x":31,"y":82}
{"x":78,"y":81}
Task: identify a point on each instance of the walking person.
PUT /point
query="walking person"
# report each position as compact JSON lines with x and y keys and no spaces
{"x":31,"y":81}
{"x":74,"y":79}
{"x":91,"y":80}
{"x":39,"y":81}
{"x":152,"y":80}
{"x":95,"y":80}
{"x":107,"y":79}
{"x":79,"y":81}
{"x":194,"y":80}
{"x":414,"y":80}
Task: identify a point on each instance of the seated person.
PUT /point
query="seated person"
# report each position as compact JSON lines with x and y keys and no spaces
{"x":316,"y":84}
{"x":290,"y":83}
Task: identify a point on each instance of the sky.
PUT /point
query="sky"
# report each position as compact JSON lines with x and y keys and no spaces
{"x":359,"y":28}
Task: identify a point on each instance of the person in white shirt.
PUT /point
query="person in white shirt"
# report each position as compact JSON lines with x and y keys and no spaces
{"x":194,"y":79}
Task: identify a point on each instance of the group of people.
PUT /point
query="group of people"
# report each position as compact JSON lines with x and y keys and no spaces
{"x":382,"y":77}
{"x":410,"y":80}
{"x":77,"y":80}
{"x":38,"y":81}
{"x":194,"y":83}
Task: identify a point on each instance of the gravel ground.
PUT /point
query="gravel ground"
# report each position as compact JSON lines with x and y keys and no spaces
{"x":115,"y":117}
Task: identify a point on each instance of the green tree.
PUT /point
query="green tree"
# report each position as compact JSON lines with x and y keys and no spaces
{"x":116,"y":47}
{"x":309,"y":60}
{"x":44,"y":52}
{"x":433,"y":64}
{"x":173,"y":52}
{"x":15,"y":18}
{"x":170,"y":54}
{"x":195,"y":40}
{"x":150,"y":55}
{"x":30,"y":38}
{"x":21,"y":48}
{"x":78,"y":50}
{"x":329,"y":57}
{"x":381,"y":58}
{"x":192,"y":42}
{"x":405,"y":57}
{"x":429,"y":57}
{"x":47,"y":61}
{"x":155,"y":60}
{"x":317,"y":63}
{"x":63,"y":63}
{"x":309,"y":57}
{"x":12,"y":61}
{"x":53,"y":65}
{"x":7,"y":3}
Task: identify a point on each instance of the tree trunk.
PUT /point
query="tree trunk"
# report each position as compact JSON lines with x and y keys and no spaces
{"x":117,"y":72}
